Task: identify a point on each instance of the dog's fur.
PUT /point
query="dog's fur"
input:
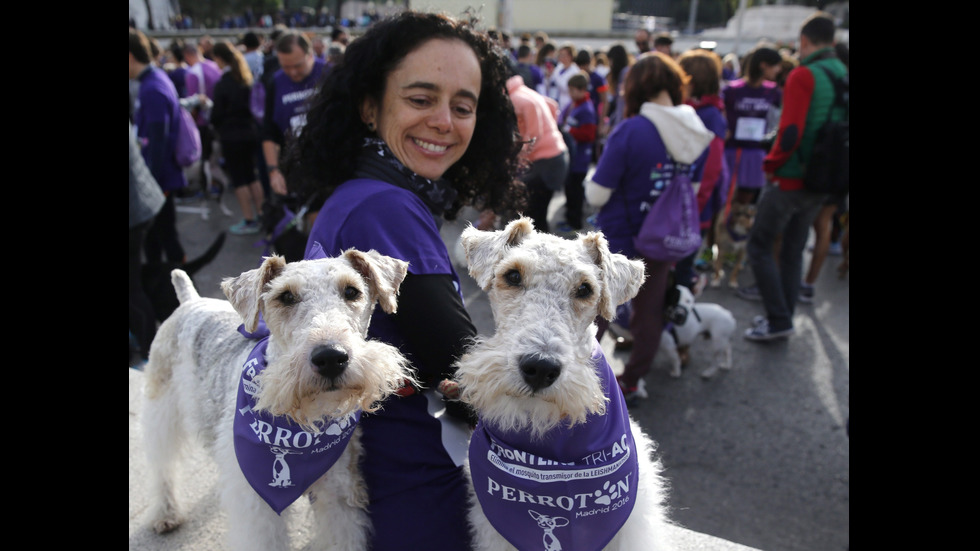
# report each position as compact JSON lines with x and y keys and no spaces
{"x":548,"y":313}
{"x":703,"y":319}
{"x":194,"y":371}
{"x":731,"y":236}
{"x":156,"y":278}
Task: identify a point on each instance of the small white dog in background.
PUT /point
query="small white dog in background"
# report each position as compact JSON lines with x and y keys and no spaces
{"x":556,"y":462}
{"x":289,"y":428}
{"x":693,"y":320}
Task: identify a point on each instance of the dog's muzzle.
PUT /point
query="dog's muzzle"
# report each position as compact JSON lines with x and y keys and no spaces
{"x":330,"y":361}
{"x":539,"y":372}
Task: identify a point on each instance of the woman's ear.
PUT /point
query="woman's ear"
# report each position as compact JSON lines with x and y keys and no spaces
{"x":368,"y":112}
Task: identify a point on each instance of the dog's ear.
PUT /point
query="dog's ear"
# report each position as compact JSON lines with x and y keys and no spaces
{"x":383,"y":274}
{"x":243,"y":292}
{"x":621,"y":277}
{"x":684,"y":296}
{"x":484,"y":249}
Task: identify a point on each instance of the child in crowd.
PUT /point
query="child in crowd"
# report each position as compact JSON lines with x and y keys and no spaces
{"x":578,"y":119}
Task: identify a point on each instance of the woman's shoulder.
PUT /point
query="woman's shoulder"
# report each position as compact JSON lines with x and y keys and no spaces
{"x":374,"y":198}
{"x":636,"y":123}
{"x":636,"y":132}
{"x":735,"y":84}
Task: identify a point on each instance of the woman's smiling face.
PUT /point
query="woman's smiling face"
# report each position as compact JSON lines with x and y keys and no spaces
{"x":428,"y":111}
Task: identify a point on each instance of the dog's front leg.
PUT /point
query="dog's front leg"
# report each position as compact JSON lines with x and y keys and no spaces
{"x":252,"y":524}
{"x":339,"y":503}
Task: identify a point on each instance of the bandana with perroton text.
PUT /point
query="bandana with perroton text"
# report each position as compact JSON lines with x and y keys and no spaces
{"x":280,"y":459}
{"x":572,"y":489}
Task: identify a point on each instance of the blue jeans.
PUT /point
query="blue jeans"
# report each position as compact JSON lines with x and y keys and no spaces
{"x":790,"y":214}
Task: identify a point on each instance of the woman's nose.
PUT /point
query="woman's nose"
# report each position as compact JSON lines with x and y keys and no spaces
{"x":441,"y":119}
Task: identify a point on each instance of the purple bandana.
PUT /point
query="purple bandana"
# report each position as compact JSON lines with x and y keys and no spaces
{"x":280,"y":459}
{"x":573,"y":489}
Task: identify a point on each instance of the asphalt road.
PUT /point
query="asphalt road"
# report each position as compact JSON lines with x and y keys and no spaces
{"x":758,"y":455}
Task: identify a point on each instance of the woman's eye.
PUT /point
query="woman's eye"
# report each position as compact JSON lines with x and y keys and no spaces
{"x":513,"y":278}
{"x":351,"y":293}
{"x":287,"y":298}
{"x":584,"y":291}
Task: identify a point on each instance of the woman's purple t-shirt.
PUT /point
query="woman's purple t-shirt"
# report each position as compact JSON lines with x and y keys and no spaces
{"x":636,"y":166}
{"x":404,"y":460}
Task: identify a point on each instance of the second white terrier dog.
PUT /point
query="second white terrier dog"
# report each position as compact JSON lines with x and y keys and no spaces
{"x":286,"y":429}
{"x":555,"y":462}
{"x":703,"y":319}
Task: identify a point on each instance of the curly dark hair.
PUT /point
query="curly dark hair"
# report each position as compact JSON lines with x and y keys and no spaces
{"x":325,"y":153}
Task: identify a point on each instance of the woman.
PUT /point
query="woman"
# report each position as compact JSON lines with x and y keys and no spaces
{"x":658,"y":136}
{"x":704,"y":89}
{"x":238,"y":133}
{"x":545,"y":60}
{"x":619,"y":62}
{"x":558,"y":80}
{"x":413,"y":124}
{"x":748,"y":102}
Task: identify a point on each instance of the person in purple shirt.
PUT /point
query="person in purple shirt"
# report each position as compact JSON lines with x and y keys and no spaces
{"x":660,"y":136}
{"x":286,"y":100}
{"x":413,"y":124}
{"x":748,"y":102}
{"x":580,"y":121}
{"x":200,"y":79}
{"x":156,"y":111}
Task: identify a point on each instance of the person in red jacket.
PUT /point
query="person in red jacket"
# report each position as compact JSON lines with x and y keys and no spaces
{"x":786,"y":209}
{"x":580,"y":121}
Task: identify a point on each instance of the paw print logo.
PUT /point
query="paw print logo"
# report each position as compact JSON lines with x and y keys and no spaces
{"x":613,"y":493}
{"x":336,"y":428}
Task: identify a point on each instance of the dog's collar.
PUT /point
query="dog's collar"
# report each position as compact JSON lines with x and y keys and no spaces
{"x":731,"y":233}
{"x":280,"y":459}
{"x":574,"y":485}
{"x":407,"y":389}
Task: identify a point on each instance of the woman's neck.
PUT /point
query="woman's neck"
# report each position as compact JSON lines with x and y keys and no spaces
{"x":663,"y":98}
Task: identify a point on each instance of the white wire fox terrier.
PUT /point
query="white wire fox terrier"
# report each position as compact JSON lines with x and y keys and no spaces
{"x":555,"y":462}
{"x":279,"y":414}
{"x":692,"y":320}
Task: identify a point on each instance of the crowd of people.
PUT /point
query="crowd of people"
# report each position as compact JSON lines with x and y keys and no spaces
{"x":397,"y":130}
{"x":293,"y":19}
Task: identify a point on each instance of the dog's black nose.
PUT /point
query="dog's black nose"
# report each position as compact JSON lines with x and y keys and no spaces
{"x":329,"y":361}
{"x":539,"y":372}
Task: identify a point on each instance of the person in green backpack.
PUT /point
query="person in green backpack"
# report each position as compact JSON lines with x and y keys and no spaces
{"x":785,"y":208}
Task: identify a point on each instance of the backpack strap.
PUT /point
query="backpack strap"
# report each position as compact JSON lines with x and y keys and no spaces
{"x":841,"y":100}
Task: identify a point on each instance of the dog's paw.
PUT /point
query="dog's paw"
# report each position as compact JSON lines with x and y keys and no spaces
{"x":164,"y":525}
{"x":164,"y":517}
{"x":709,"y":372}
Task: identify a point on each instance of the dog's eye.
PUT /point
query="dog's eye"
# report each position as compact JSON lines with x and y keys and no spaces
{"x":287,"y":298}
{"x":351,"y":293}
{"x":513,"y":278}
{"x":584,"y":291}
